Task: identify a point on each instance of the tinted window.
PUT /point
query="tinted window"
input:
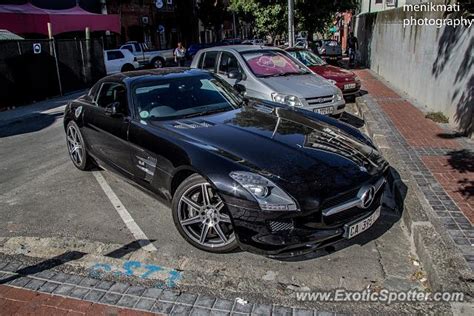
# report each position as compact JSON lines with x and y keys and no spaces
{"x":129,"y":47}
{"x":209,"y":61}
{"x":183,"y":97}
{"x":137,"y":47}
{"x":115,"y":54}
{"x":111,"y":92}
{"x":228,"y":63}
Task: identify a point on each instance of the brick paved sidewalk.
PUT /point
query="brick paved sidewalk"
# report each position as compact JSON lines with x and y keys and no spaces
{"x":442,"y":166}
{"x":14,"y":301}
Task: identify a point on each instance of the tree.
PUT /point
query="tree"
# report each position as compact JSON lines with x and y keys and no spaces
{"x":267,"y":17}
{"x":314,"y":15}
{"x":212,"y":14}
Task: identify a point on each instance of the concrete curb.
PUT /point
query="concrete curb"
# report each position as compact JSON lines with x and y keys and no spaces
{"x":445,"y":266}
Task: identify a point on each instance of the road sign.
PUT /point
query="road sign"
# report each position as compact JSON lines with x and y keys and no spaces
{"x":159,"y":4}
{"x":37,"y":48}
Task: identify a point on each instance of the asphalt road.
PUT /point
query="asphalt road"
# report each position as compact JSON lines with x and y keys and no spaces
{"x":44,"y":199}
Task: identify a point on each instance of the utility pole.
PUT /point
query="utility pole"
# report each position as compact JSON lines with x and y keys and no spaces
{"x":291,"y":24}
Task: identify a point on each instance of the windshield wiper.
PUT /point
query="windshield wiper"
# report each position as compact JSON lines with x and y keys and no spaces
{"x":206,"y":112}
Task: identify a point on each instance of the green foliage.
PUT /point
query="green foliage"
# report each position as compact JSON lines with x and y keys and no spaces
{"x":438,"y":117}
{"x":269,"y":17}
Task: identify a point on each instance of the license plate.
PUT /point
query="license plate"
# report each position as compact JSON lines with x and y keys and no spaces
{"x":324,"y":111}
{"x":349,"y":86}
{"x":359,"y":227}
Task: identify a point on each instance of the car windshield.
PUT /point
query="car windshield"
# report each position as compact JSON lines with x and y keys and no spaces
{"x":272,"y":63}
{"x":308,"y":58}
{"x":166,"y":99}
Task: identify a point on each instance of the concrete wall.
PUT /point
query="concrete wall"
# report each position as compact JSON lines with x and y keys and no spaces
{"x":432,"y":65}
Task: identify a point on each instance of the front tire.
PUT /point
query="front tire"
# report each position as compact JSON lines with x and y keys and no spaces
{"x":77,"y":147}
{"x":202,"y":217}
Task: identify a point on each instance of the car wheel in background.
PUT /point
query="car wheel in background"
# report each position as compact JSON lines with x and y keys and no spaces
{"x":201,"y":216}
{"x":127,"y":67}
{"x":157,"y":63}
{"x":76,"y":147}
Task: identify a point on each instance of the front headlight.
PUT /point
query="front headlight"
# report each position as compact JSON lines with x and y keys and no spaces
{"x":268,"y":195}
{"x":290,"y":100}
{"x":338,"y":96}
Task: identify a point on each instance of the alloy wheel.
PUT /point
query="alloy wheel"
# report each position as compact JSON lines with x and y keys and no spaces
{"x":158,"y":63}
{"x":75,"y":145}
{"x":202,"y":215}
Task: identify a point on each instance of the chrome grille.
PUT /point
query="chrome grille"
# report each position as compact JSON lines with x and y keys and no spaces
{"x":320,"y":100}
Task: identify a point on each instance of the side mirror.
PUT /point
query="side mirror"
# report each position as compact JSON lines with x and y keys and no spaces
{"x":235,"y":74}
{"x":113,"y":109}
{"x":240,"y":88}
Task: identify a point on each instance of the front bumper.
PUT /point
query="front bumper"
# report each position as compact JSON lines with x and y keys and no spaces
{"x":337,"y":107}
{"x":291,"y":234}
{"x":349,"y":92}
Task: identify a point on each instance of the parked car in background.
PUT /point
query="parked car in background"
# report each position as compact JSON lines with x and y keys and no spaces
{"x":237,"y":173}
{"x":194,"y":48}
{"x":119,"y":60}
{"x":231,"y":41}
{"x":329,"y":49}
{"x":147,"y":57}
{"x":271,"y":74}
{"x":345,"y":80}
{"x":255,"y":41}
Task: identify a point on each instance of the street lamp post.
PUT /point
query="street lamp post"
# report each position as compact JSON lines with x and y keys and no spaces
{"x":291,"y":26}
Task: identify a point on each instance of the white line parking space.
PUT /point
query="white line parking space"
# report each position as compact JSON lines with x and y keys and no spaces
{"x":124,"y":214}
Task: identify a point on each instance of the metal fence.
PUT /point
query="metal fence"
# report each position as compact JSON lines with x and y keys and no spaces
{"x":32,"y":70}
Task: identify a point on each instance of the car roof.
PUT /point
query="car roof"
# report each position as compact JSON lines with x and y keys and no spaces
{"x":152,"y":73}
{"x":240,"y":48}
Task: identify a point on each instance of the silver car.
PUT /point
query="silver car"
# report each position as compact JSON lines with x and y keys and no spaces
{"x":271,"y":74}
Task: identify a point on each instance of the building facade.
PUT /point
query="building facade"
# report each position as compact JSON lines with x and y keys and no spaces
{"x":367,"y":6}
{"x":159,"y":23}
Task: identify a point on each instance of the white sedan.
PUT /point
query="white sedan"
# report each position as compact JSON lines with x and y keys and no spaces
{"x":119,"y":60}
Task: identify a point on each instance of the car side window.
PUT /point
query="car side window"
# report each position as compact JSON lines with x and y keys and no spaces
{"x":129,"y":47}
{"x":115,"y":54}
{"x":209,"y":61}
{"x":110,"y":93}
{"x":228,"y":63}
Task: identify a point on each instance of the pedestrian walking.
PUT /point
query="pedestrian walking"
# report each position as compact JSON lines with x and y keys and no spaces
{"x":353,"y":45}
{"x":179,"y":55}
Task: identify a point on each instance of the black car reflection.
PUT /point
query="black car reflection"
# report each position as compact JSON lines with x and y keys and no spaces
{"x":237,"y":172}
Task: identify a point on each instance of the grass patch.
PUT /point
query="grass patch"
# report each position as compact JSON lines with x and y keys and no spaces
{"x":438,"y":117}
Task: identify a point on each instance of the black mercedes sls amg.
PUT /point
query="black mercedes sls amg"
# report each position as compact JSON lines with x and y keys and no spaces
{"x":237,"y":172}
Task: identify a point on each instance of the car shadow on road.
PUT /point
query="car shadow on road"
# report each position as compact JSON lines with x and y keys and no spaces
{"x":391,"y":213}
{"x":29,"y":124}
{"x":351,"y":119}
{"x":44,"y":265}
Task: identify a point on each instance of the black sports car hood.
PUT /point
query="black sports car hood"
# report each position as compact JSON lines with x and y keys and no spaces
{"x":284,"y":143}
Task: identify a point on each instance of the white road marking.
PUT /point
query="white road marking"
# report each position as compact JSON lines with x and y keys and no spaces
{"x":124,"y":214}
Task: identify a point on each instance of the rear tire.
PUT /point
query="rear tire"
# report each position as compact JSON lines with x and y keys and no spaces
{"x":127,"y":67}
{"x":201,"y":216}
{"x":157,"y":63}
{"x":77,"y":147}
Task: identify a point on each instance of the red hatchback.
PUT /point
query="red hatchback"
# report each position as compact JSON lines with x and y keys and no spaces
{"x":345,"y":80}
